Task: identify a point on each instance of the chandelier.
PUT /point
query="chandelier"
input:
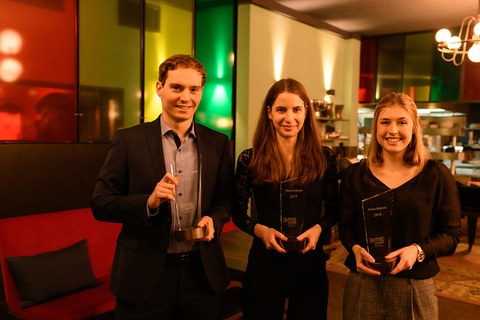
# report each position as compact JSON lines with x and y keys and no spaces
{"x":455,"y":48}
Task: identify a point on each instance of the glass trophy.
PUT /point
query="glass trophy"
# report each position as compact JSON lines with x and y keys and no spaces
{"x":292,"y":209}
{"x":191,"y":232}
{"x":377,"y":216}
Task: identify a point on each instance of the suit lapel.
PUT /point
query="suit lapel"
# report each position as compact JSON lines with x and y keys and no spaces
{"x":203,"y":160}
{"x":154,"y":140}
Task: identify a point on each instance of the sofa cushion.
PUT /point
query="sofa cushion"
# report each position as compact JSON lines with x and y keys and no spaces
{"x":49,"y":275}
{"x":80,"y":305}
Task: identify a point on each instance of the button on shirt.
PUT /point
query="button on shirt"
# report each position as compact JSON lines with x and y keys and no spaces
{"x":183,"y":161}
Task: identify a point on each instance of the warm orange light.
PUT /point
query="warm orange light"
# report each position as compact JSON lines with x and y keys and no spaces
{"x":280,"y":34}
{"x":10,"y":41}
{"x":10,"y":69}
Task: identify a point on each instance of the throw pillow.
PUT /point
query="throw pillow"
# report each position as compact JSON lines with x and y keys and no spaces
{"x":49,"y":275}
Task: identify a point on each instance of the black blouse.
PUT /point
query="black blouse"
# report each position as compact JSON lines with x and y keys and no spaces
{"x":321,"y":198}
{"x":426,"y":210}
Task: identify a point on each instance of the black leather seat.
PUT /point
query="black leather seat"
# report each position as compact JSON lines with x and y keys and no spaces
{"x":470,"y":204}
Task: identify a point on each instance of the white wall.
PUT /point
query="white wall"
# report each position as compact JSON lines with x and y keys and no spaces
{"x":280,"y":47}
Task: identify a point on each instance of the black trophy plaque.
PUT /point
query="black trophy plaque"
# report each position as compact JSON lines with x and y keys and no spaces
{"x":378,"y":218}
{"x":292,"y":209}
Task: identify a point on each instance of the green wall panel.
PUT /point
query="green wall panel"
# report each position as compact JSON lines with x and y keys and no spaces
{"x":445,"y":80}
{"x":214,"y":47}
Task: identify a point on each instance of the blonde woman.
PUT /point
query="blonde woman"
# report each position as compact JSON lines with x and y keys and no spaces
{"x":426,"y":218}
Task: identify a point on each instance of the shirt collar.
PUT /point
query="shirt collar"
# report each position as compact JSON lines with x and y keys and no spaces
{"x":166,"y":129}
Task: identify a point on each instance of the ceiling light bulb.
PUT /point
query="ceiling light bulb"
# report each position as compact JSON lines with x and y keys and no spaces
{"x":476,"y":29}
{"x":443,"y":35}
{"x":474,"y":53}
{"x":454,"y":43}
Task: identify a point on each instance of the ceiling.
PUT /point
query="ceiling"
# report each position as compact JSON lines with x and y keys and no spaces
{"x":376,"y":17}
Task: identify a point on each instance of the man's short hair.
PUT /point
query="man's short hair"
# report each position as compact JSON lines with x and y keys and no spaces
{"x":180,"y":61}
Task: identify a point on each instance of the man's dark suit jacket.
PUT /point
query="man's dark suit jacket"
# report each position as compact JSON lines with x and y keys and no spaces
{"x":133,"y":166}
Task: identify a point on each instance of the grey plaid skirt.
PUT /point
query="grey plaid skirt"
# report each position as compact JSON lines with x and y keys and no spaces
{"x":388,"y":297}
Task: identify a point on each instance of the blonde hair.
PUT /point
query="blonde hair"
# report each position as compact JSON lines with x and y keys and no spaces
{"x":416,"y":153}
{"x":308,"y":161}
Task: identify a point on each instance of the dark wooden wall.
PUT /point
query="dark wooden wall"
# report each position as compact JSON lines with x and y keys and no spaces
{"x":39,"y":178}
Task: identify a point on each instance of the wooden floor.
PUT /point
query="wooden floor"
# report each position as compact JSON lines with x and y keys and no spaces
{"x":237,"y":243}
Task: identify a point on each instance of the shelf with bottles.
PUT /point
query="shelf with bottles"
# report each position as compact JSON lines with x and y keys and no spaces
{"x":473,"y":131}
{"x":467,"y":171}
{"x":446,"y":128}
{"x":440,"y":137}
{"x":329,"y":129}
{"x":331,"y":132}
{"x":327,"y":117}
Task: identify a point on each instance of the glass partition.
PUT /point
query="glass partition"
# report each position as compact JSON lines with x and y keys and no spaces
{"x":119,"y":61}
{"x":367,"y":70}
{"x":109,"y":67}
{"x":418,"y":65}
{"x":37,"y":71}
{"x":173,"y":35}
{"x":389,"y":65}
{"x":445,"y":78}
{"x":52,"y":90}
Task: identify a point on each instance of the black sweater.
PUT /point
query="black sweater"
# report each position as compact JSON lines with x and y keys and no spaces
{"x":426,"y":211}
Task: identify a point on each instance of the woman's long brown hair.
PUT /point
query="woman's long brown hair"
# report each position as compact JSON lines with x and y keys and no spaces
{"x":268,"y":164}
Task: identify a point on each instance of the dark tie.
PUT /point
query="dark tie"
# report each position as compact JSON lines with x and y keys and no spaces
{"x":178,"y":143}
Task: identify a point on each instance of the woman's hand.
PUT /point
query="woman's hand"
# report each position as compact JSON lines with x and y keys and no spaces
{"x":311,"y":235}
{"x":407,"y":257}
{"x":361,"y":257}
{"x":270,"y":237}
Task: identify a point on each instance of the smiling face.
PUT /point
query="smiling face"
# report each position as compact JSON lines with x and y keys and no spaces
{"x":180,"y":95}
{"x":288,"y":114}
{"x":394,"y":130}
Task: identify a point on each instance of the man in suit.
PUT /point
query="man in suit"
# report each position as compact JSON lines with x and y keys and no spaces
{"x":160,"y":177}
